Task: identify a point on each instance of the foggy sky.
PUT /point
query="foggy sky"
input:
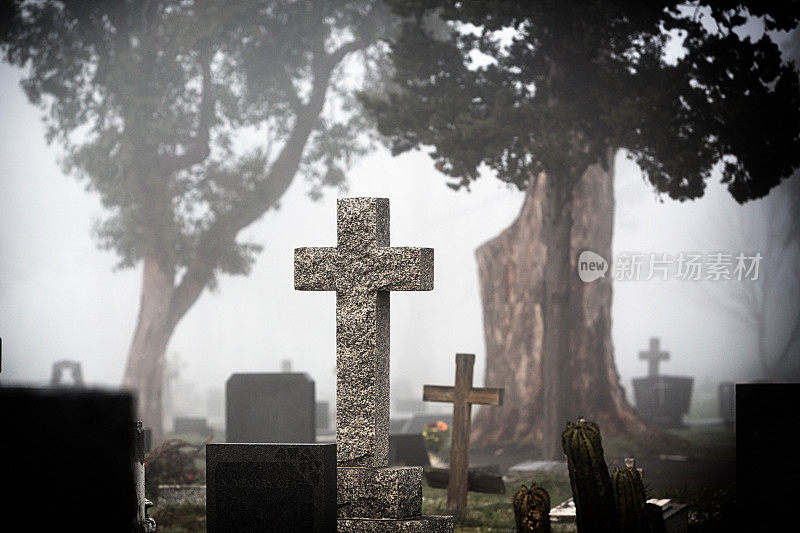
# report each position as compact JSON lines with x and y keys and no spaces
{"x":59,"y":298}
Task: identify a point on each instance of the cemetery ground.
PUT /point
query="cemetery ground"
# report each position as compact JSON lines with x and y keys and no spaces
{"x":700,"y":473}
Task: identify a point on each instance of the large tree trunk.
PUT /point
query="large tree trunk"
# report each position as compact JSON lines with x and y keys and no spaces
{"x":144,"y":373}
{"x":548,"y":335}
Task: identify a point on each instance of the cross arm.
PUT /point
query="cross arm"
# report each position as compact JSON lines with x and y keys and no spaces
{"x":315,"y":269}
{"x":404,"y":269}
{"x":482,"y":396}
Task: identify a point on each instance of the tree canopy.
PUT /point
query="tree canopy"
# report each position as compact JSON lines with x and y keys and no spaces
{"x":526,"y":87}
{"x":154,"y":102}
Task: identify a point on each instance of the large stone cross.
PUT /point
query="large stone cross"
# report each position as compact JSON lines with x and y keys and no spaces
{"x":653,"y":357}
{"x":362,"y":269}
{"x":462,"y":396}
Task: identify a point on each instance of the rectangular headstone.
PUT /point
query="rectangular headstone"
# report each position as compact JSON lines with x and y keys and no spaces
{"x":270,"y":408}
{"x":271,"y":487}
{"x":767,"y":432}
{"x":63,"y":449}
{"x":408,"y":449}
{"x":192,"y":425}
{"x":323,"y":418}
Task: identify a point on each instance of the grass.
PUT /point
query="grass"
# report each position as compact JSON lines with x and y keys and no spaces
{"x":179,"y":518}
{"x":494,"y":512}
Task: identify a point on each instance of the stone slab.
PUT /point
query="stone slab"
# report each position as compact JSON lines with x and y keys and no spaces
{"x":271,"y":487}
{"x":394,"y":492}
{"x":270,"y":408}
{"x":408,"y":449}
{"x":176,"y":494}
{"x":423,"y":524}
{"x":66,"y":450}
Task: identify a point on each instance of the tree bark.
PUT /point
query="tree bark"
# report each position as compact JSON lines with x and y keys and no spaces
{"x":144,"y":372}
{"x":548,"y":334}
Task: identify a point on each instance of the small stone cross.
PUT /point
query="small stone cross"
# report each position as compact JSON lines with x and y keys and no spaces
{"x":462,"y":396}
{"x":653,"y":357}
{"x":362,"y":269}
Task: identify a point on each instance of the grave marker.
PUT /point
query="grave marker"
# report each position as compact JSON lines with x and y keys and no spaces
{"x":363,"y":269}
{"x":271,"y":487}
{"x":462,"y":396}
{"x":271,"y":408}
{"x":62,"y":367}
{"x":653,"y":357}
{"x":659,"y":398}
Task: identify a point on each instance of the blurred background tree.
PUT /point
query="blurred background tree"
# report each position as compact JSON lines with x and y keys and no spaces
{"x":156,"y":103}
{"x":544,"y":95}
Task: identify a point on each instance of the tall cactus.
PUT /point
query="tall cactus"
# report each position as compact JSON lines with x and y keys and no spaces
{"x":532,"y":510}
{"x":588,"y":475}
{"x":631,"y":500}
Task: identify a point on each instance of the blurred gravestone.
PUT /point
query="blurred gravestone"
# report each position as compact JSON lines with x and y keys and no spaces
{"x":271,"y":487}
{"x":64,"y":450}
{"x":659,"y":398}
{"x":727,"y":403}
{"x":192,"y":425}
{"x":767,"y":432}
{"x":323,"y":418}
{"x":66,"y":374}
{"x":407,"y":449}
{"x":270,"y":408}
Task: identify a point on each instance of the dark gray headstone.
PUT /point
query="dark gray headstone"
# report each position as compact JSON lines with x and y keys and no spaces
{"x":407,"y":449}
{"x":192,"y":425}
{"x":323,"y":416}
{"x":767,"y":432}
{"x":271,"y":487}
{"x":270,"y":408}
{"x":663,"y":399}
{"x":727,"y":402}
{"x":63,"y":450}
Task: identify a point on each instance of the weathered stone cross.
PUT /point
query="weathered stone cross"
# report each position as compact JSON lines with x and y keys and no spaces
{"x":462,"y":396}
{"x":653,"y":357}
{"x":362,"y":269}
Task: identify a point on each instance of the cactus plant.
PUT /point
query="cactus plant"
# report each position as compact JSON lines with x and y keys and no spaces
{"x":588,"y":474}
{"x":631,"y":500}
{"x":532,"y":510}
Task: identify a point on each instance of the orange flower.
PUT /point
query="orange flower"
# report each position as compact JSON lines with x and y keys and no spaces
{"x":441,"y":425}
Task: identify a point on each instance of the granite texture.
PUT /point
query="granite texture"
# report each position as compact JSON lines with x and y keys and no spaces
{"x":182,"y":495}
{"x":423,"y":524}
{"x":379,"y":492}
{"x":271,"y":487}
{"x":362,"y":269}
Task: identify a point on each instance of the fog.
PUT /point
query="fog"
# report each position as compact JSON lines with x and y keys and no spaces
{"x":61,"y":299}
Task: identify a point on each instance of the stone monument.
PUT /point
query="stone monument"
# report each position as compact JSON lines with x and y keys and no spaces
{"x":659,"y":398}
{"x":363,"y":269}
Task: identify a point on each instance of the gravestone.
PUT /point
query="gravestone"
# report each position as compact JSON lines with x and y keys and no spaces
{"x":727,"y":403}
{"x":64,"y":368}
{"x":66,"y":459}
{"x":271,"y":487}
{"x":767,"y":432}
{"x":192,"y":425}
{"x":270,"y":408}
{"x":660,"y":398}
{"x":408,"y":449}
{"x":363,"y":269}
{"x":323,"y":420}
{"x":462,"y":396}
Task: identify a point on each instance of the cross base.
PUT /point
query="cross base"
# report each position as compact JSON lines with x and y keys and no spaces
{"x":423,"y":524}
{"x":386,"y":499}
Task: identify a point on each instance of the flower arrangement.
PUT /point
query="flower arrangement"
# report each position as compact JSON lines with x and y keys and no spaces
{"x":437,"y":436}
{"x":174,"y":462}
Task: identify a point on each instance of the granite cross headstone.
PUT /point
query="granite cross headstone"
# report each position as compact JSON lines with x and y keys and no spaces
{"x":653,"y":357}
{"x":363,"y":269}
{"x":462,"y":396}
